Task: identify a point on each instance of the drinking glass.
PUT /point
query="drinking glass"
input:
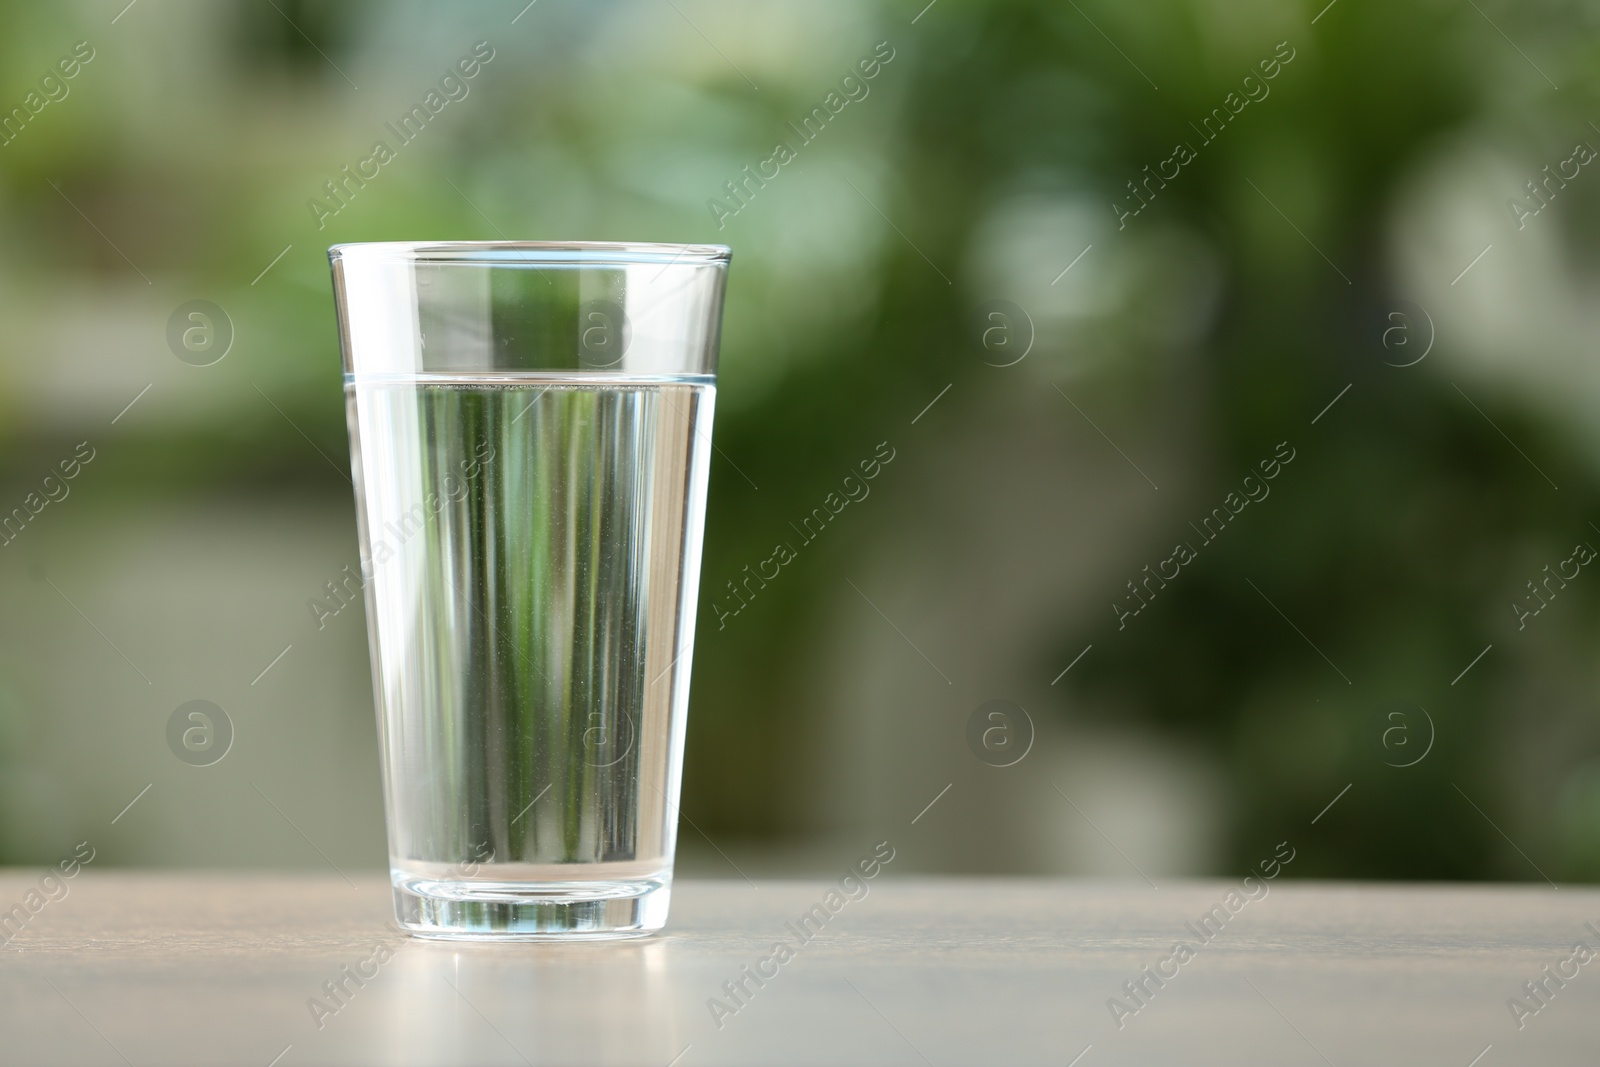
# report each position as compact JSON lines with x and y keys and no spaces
{"x":530,"y":431}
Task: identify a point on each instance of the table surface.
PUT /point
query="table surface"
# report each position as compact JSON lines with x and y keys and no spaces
{"x":224,"y":968}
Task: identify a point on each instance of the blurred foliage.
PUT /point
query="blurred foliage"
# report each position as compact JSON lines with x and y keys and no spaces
{"x":1405,"y":507}
{"x":198,"y":133}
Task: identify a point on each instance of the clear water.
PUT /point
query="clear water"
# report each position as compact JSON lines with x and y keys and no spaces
{"x":534,"y":553}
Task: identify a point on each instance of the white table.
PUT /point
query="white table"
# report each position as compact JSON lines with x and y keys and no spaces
{"x":211,"y":968}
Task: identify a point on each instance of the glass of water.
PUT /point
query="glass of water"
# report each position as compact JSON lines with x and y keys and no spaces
{"x":530,"y":433}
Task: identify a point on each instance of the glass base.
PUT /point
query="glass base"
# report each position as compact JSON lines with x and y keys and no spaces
{"x":531,"y":911}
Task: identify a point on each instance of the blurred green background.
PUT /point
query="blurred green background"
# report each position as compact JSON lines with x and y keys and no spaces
{"x":994,"y":229}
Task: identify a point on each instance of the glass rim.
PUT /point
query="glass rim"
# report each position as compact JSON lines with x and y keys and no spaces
{"x":541,"y":253}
